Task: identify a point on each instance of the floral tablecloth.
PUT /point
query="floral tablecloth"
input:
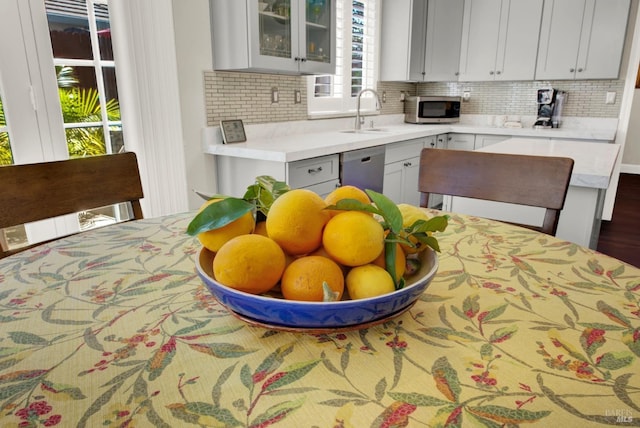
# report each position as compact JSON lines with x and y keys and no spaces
{"x":114,"y":328}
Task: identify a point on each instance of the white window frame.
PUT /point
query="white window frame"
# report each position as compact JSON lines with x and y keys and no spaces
{"x":342,"y":103}
{"x":98,"y":64}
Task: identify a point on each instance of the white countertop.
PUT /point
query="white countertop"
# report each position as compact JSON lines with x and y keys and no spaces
{"x":292,"y":141}
{"x":593,"y":162}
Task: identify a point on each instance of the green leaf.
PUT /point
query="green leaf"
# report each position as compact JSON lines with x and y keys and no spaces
{"x":218,"y":413}
{"x":417,"y":399}
{"x":494,"y":313}
{"x":289,"y":375}
{"x":390,"y":249}
{"x":24,"y":338}
{"x":429,"y":240}
{"x":434,"y":224}
{"x":221,"y":350}
{"x":615,"y":360}
{"x":446,"y":378}
{"x":506,"y":415}
{"x":388,"y":209}
{"x":218,"y":214}
{"x":448,"y":334}
{"x":502,"y":334}
{"x":631,"y":338}
{"x":277,"y":413}
{"x":348,"y":204}
{"x":613,"y":314}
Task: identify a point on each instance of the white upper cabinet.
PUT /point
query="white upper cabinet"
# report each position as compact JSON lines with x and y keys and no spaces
{"x":500,"y":39}
{"x":582,"y":39}
{"x":420,"y":40}
{"x":284,"y":36}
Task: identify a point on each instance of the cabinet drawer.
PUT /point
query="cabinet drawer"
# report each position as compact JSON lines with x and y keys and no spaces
{"x":405,"y":150}
{"x":323,"y":189}
{"x":307,"y":172}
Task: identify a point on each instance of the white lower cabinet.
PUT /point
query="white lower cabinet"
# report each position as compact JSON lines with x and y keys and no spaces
{"x":483,"y":140}
{"x":401,"y":170}
{"x":461,"y":141}
{"x":321,"y":174}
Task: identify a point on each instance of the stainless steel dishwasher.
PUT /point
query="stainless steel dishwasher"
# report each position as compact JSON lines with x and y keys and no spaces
{"x":363,"y":168}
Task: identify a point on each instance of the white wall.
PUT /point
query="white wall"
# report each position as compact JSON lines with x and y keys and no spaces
{"x":631,"y":156}
{"x":194,"y":56}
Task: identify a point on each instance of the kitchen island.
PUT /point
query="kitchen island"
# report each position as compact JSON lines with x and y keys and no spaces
{"x":307,"y":154}
{"x":580,"y":219}
{"x":276,"y":148}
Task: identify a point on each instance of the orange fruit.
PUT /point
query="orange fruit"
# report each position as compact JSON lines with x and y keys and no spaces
{"x":346,"y":192}
{"x":296,"y":220}
{"x":353,"y":238}
{"x":216,"y":238}
{"x":323,"y":253}
{"x":303,"y":279}
{"x":250,"y":263}
{"x":401,"y":261}
{"x":368,"y":281}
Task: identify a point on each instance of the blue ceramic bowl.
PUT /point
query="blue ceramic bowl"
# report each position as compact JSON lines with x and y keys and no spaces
{"x":276,"y":312}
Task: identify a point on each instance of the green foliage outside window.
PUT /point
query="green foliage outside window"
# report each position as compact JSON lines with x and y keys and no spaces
{"x":79,"y":105}
{"x":5,"y":150}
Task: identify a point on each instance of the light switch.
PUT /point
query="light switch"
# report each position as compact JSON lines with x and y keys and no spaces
{"x":611,"y":98}
{"x":274,"y":95}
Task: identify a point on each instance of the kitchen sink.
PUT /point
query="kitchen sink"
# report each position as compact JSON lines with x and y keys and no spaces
{"x":364,"y":130}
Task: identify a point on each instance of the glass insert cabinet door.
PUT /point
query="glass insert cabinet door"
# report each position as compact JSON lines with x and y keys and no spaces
{"x":318,"y":24}
{"x":294,"y":35}
{"x":275,"y":24}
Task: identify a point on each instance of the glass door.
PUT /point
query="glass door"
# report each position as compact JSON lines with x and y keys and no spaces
{"x":275,"y":28}
{"x":275,"y":43}
{"x":319,"y":32}
{"x":85,"y":70}
{"x":70,"y":110}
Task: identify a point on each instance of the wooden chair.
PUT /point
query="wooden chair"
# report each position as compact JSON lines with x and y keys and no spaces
{"x":538,"y":181}
{"x":40,"y":191}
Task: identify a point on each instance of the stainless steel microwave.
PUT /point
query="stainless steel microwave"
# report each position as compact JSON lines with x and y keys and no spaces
{"x":430,"y":109}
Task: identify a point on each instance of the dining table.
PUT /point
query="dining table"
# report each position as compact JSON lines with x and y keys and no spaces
{"x":113,"y":327}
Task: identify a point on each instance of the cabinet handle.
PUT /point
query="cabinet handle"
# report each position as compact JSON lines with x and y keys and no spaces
{"x":498,"y":72}
{"x":296,"y":59}
{"x":314,"y":170}
{"x":434,"y":144}
{"x":491,"y":73}
{"x":572,"y":70}
{"x":457,"y":73}
{"x":580,"y":70}
{"x":407,"y":164}
{"x":303,"y":59}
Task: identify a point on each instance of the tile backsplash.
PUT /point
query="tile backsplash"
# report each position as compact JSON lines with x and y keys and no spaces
{"x":247,"y":96}
{"x":586,"y":98}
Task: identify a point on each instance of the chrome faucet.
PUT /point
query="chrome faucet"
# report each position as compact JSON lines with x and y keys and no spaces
{"x":378,"y":105}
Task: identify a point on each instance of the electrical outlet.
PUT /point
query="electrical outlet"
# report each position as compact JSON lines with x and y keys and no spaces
{"x":402,"y":96}
{"x":274,"y":95}
{"x":297,"y":97}
{"x":610,"y":98}
{"x":466,"y":96}
{"x":384,"y":96}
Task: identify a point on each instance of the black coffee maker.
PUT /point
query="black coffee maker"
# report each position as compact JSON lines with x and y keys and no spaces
{"x":550,"y":104}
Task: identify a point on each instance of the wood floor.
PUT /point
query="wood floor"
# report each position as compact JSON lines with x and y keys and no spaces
{"x":620,"y":237}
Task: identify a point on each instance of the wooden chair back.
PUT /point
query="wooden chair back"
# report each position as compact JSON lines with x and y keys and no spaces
{"x":539,"y":181}
{"x":40,"y":191}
